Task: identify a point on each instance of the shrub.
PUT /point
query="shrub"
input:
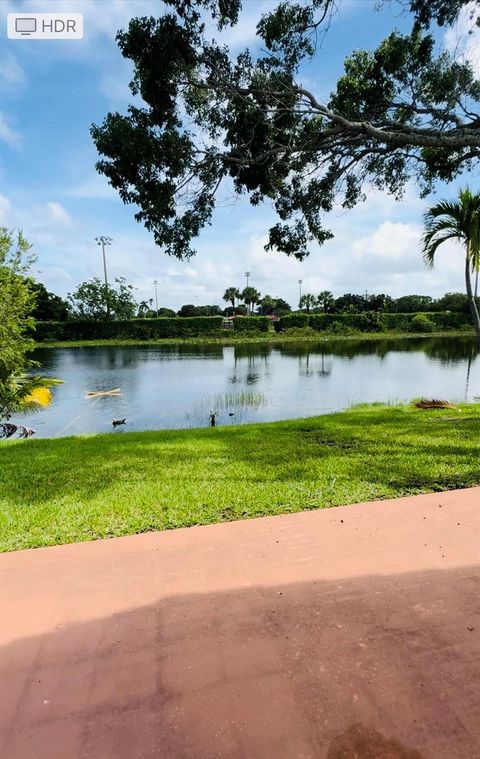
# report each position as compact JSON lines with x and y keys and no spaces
{"x":140,"y":329}
{"x":370,"y":321}
{"x":251,"y":324}
{"x":421,"y":323}
{"x":292,"y":320}
{"x":346,"y":323}
{"x":339,"y":328}
{"x":451,"y":319}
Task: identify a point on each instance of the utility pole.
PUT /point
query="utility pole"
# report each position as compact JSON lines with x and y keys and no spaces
{"x":300,"y":282}
{"x":156,"y":296}
{"x":247,"y":274}
{"x":104,"y":240}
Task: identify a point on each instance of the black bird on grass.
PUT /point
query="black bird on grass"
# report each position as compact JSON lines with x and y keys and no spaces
{"x":7,"y":429}
{"x":118,"y":422}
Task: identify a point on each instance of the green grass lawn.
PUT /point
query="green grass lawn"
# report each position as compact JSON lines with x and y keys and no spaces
{"x":81,"y":488}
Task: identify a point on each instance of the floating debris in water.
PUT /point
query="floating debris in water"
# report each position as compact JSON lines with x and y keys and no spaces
{"x":99,"y":393}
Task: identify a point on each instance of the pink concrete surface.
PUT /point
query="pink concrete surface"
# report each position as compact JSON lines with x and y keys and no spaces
{"x":349,"y":632}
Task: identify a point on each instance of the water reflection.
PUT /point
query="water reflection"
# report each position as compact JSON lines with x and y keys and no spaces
{"x":178,"y":385}
{"x":307,"y":368}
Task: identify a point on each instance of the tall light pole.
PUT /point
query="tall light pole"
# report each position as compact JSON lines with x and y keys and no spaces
{"x":247,"y":274}
{"x":104,"y":240}
{"x":300,"y":282}
{"x":156,"y":296}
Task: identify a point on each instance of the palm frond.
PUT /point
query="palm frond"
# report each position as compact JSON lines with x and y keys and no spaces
{"x":447,"y":220}
{"x":40,"y":397}
{"x":448,"y":208}
{"x":433,"y":239}
{"x":433,"y":403}
{"x":24,"y":394}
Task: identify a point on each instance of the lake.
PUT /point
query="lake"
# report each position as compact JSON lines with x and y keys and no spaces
{"x":177,"y":386}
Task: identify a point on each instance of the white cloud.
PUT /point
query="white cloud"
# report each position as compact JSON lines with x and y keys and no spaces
{"x":95,"y":187}
{"x":57,"y":214}
{"x":396,"y":244}
{"x":5,"y":210}
{"x":463,"y":39}
{"x":380,"y":204}
{"x":7,"y":133}
{"x":245,"y":31}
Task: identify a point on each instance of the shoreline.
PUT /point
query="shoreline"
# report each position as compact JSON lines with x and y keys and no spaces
{"x":270,"y":338}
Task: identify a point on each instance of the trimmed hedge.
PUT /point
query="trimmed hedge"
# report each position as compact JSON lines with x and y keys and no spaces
{"x":376,"y":321}
{"x":292,"y":320}
{"x":251,"y":324}
{"x":138,"y":329}
{"x":197,"y":326}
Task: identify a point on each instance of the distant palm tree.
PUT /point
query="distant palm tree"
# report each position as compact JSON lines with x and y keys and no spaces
{"x":307,"y":302}
{"x":456,"y":220}
{"x":250,"y":296}
{"x":256,"y":299}
{"x":267,"y":304}
{"x":325,"y":300}
{"x":144,"y":308}
{"x":231,"y":295}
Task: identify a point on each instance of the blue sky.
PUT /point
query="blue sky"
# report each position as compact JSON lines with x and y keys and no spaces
{"x":51,"y":92}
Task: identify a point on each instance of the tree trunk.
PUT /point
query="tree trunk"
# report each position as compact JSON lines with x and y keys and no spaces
{"x":471,"y":299}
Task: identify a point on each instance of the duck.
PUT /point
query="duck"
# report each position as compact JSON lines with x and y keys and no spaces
{"x":26,"y":432}
{"x":117,"y":422}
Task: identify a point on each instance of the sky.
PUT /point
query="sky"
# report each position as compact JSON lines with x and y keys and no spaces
{"x":52,"y":91}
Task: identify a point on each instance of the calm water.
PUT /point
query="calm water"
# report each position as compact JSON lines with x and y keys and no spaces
{"x":177,"y":386}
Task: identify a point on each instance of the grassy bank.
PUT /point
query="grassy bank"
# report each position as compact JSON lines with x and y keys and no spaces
{"x":76,"y":489}
{"x":275,"y":338}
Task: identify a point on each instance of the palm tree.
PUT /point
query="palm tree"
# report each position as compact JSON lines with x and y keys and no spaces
{"x":256,"y":299}
{"x":230,"y":295}
{"x":268,"y":304}
{"x":145,"y":308}
{"x":325,"y":300}
{"x":22,"y":394}
{"x":456,"y":220}
{"x":250,"y":296}
{"x":307,"y":302}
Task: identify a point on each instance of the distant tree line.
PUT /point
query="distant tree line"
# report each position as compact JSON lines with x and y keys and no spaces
{"x":406,"y":304}
{"x":92,"y":300}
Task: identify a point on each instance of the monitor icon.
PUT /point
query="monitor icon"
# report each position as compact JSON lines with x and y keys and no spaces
{"x":25,"y":26}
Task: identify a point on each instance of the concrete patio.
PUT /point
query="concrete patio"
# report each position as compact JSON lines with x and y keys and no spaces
{"x":349,"y":632}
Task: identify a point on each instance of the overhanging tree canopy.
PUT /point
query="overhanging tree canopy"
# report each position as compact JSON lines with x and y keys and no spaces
{"x":399,"y":111}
